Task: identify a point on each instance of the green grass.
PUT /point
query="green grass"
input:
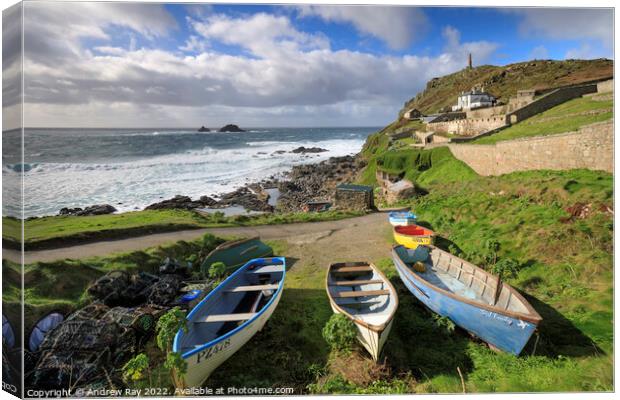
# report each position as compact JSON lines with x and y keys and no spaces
{"x":504,"y":81}
{"x":426,"y":167}
{"x":58,"y":230}
{"x":566,"y":117}
{"x":565,"y":269}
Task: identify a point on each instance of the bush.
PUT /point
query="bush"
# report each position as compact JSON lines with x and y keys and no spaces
{"x":506,"y":268}
{"x":209,"y":242}
{"x":135,"y":368}
{"x":217,"y":270}
{"x":340,"y":332}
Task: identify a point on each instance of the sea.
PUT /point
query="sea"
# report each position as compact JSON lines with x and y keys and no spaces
{"x":132,"y":168}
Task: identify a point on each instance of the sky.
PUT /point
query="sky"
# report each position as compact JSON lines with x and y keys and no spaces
{"x":175,"y":65}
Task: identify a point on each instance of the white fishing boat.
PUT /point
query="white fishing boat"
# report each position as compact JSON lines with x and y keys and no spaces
{"x":361,"y":292}
{"x":228,"y":317}
{"x":402,"y":218}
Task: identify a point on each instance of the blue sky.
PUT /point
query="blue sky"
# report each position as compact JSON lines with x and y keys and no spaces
{"x":140,"y":64}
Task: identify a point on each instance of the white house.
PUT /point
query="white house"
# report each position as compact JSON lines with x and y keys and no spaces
{"x":475,"y":98}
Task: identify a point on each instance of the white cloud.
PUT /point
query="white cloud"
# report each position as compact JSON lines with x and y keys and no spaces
{"x":568,"y":23}
{"x":263,"y":34}
{"x":539,"y":53}
{"x":397,"y":26}
{"x":195,"y":44}
{"x":279,"y":76}
{"x":53,"y":30}
{"x":584,"y":52}
{"x":481,"y":50}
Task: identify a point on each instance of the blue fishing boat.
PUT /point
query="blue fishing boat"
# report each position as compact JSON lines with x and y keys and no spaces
{"x":402,"y":218}
{"x":471,"y":297}
{"x":228,"y":317}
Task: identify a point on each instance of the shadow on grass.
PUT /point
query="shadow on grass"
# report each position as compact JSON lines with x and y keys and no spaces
{"x":558,"y":335}
{"x":290,"y":262}
{"x":284,"y":352}
{"x":424,"y":224}
{"x":447,"y":245}
{"x":419,"y":342}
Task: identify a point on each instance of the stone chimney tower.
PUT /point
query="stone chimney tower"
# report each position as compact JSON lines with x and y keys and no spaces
{"x":469,"y":61}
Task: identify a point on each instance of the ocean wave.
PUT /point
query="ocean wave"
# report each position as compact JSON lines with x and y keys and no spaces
{"x":138,"y":183}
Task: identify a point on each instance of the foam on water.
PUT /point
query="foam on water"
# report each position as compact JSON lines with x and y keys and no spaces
{"x":129,"y":185}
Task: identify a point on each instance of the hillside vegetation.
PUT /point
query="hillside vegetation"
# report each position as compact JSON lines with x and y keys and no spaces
{"x":566,"y":117}
{"x":561,"y":260}
{"x":63,"y":230}
{"x":504,"y":82}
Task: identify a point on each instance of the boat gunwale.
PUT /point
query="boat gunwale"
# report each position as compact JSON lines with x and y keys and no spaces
{"x":176,"y":345}
{"x":425,"y":235}
{"x":373,"y":327}
{"x":534,"y":318}
{"x":402,"y":216}
{"x":232,"y":243}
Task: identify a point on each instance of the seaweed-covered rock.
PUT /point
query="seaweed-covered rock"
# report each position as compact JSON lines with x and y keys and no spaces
{"x":231,"y":128}
{"x":97,"y":209}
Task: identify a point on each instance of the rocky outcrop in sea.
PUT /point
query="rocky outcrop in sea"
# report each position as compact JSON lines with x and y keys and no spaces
{"x":182,"y":202}
{"x":97,"y":209}
{"x":304,"y":150}
{"x":231,"y":128}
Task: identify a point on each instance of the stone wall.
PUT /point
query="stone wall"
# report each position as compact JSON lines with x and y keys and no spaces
{"x":400,"y":190}
{"x":550,"y":100}
{"x":590,"y":147}
{"x":487,"y":112}
{"x":605,"y":86}
{"x":354,"y":200}
{"x":469,"y":126}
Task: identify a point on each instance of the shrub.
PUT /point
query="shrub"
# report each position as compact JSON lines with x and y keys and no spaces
{"x":443,"y":323}
{"x":167,"y":327}
{"x":209,"y":242}
{"x":506,"y":267}
{"x":217,"y":270}
{"x":340,"y":332}
{"x":134,"y":369}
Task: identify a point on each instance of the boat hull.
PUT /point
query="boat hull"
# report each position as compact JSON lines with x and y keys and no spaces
{"x":412,"y":242}
{"x":373,"y":341}
{"x":505,"y":332}
{"x":202,"y":364}
{"x":402,"y":219}
{"x":236,"y":253}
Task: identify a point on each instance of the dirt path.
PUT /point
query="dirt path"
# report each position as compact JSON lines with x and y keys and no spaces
{"x":314,"y":242}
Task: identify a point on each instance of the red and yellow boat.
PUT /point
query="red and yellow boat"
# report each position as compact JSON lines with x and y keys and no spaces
{"x":411,"y":236}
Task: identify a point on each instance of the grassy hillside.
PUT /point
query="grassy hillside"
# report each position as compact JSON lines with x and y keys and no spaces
{"x":566,"y":117}
{"x":562,"y":263}
{"x":503,"y":82}
{"x":53,"y":231}
{"x":423,"y":167}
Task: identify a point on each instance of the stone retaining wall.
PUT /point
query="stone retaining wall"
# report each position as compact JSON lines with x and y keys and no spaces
{"x":590,"y":147}
{"x":550,"y":100}
{"x":469,"y":126}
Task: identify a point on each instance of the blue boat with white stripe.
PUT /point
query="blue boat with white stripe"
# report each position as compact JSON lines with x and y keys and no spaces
{"x":471,"y":297}
{"x":229,"y":317}
{"x":402,"y":218}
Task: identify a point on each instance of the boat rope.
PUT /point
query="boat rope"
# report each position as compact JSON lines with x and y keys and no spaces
{"x":536,"y":342}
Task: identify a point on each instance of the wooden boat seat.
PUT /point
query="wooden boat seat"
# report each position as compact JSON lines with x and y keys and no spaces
{"x":356,"y":283}
{"x":361,"y":293}
{"x":227,"y":317}
{"x":267,"y":269}
{"x":253,"y":288}
{"x":346,"y":270}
